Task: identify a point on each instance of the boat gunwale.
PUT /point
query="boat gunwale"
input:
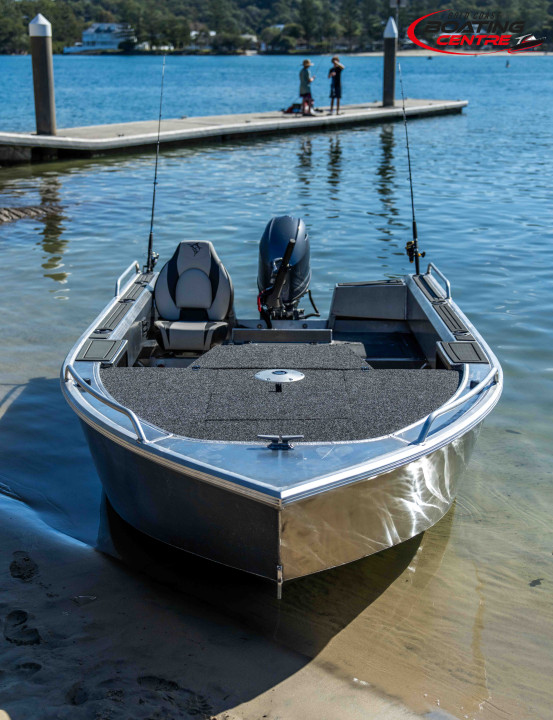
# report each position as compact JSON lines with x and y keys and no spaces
{"x":279,"y":497}
{"x":466,"y":418}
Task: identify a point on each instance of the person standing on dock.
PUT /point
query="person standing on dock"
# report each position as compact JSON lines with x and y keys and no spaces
{"x":335,"y":75}
{"x":305,"y":88}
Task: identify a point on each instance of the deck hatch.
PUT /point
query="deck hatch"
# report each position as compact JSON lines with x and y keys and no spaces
{"x":100,"y":350}
{"x":462,"y":352}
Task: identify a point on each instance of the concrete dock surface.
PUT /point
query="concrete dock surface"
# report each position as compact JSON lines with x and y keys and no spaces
{"x":129,"y":137}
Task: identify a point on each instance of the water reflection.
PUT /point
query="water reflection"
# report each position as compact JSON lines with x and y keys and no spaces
{"x":385,"y":185}
{"x":334,"y":165}
{"x":305,"y":168}
{"x":49,"y":188}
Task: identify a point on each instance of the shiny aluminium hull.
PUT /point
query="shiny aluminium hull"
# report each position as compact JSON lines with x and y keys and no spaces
{"x":275,"y":513}
{"x":298,"y":538}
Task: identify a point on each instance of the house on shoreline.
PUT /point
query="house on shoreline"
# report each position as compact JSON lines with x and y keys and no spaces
{"x":102,"y":36}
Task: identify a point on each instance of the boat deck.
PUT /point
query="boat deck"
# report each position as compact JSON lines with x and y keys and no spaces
{"x":341,"y":398}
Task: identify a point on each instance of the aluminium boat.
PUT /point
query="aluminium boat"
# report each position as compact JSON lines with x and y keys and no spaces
{"x":285,"y":443}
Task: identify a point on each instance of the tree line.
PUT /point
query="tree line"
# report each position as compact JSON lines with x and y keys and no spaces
{"x":279,"y":24}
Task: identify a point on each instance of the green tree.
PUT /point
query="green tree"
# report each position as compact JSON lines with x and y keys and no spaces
{"x":227,"y":42}
{"x":321,"y":21}
{"x":371,"y":20}
{"x":329,"y":27}
{"x":308,"y":15}
{"x":349,"y":17}
{"x":13,"y":33}
{"x":221,"y":17}
{"x":178,"y":33}
{"x":283,"y":12}
{"x":293,"y":30}
{"x":286,"y":44}
{"x":269,"y":35}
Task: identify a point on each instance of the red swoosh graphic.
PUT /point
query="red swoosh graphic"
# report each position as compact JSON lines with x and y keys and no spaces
{"x":420,"y":43}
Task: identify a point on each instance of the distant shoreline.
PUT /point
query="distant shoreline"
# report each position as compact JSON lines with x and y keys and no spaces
{"x":179,"y":53}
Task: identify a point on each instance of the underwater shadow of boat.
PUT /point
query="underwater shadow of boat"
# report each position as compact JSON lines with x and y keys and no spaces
{"x":312,"y":611}
{"x":44,"y":460}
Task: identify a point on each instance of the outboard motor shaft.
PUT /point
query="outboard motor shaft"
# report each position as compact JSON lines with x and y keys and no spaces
{"x":284,"y":269}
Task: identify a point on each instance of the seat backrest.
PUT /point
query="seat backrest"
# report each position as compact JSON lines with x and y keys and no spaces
{"x":194,"y":285}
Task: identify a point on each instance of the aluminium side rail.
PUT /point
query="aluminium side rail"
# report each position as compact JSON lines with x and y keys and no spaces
{"x":133,"y":266}
{"x":431,"y":267}
{"x":70,"y":370}
{"x":476,"y":390}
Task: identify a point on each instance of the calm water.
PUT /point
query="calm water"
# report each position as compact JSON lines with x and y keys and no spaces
{"x":483,"y":196}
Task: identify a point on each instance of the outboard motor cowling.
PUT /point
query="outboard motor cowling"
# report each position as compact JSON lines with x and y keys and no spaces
{"x":284,"y":267}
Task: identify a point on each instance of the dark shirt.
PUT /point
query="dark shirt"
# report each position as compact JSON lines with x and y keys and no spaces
{"x":336,"y":76}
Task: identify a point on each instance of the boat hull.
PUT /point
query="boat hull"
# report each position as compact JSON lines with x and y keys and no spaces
{"x":279,"y":542}
{"x":353,"y":521}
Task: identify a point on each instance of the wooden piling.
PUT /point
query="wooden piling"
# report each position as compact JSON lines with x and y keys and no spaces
{"x":390,"y":49}
{"x":40,"y":31}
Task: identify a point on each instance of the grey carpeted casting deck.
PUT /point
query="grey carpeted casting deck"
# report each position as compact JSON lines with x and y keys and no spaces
{"x":341,"y":397}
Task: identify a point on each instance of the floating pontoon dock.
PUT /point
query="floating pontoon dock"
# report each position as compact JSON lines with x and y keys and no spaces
{"x":137,"y":136}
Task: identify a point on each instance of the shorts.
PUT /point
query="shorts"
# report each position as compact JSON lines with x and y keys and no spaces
{"x":307,"y":97}
{"x":335,"y":92}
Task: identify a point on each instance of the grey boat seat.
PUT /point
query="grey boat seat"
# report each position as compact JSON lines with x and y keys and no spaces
{"x":194,"y":299}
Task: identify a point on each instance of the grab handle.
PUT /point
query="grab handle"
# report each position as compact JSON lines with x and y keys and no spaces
{"x":133,"y":266}
{"x":431,"y":267}
{"x":70,"y":370}
{"x":476,"y":390}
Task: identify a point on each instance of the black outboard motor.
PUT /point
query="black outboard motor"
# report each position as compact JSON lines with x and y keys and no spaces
{"x":284,"y":269}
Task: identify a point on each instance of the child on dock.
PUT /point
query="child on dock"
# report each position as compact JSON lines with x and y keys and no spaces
{"x":305,"y":88}
{"x":335,"y":75}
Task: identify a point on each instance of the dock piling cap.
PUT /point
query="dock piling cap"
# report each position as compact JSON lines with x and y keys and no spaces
{"x":40,"y":27}
{"x":390,"y":31}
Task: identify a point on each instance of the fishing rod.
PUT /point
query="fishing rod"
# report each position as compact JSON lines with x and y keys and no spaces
{"x":322,"y":57}
{"x":412,"y":246}
{"x":152,"y":256}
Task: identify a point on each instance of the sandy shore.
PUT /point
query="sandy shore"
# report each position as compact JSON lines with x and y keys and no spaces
{"x":420,"y":630}
{"x":84,"y":636}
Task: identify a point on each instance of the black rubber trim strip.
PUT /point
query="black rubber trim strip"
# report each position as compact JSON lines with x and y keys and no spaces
{"x":429,"y":292}
{"x":114,"y":317}
{"x":452,"y":321}
{"x":135,"y":291}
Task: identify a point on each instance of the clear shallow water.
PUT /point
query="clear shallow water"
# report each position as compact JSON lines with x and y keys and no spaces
{"x":483,"y":196}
